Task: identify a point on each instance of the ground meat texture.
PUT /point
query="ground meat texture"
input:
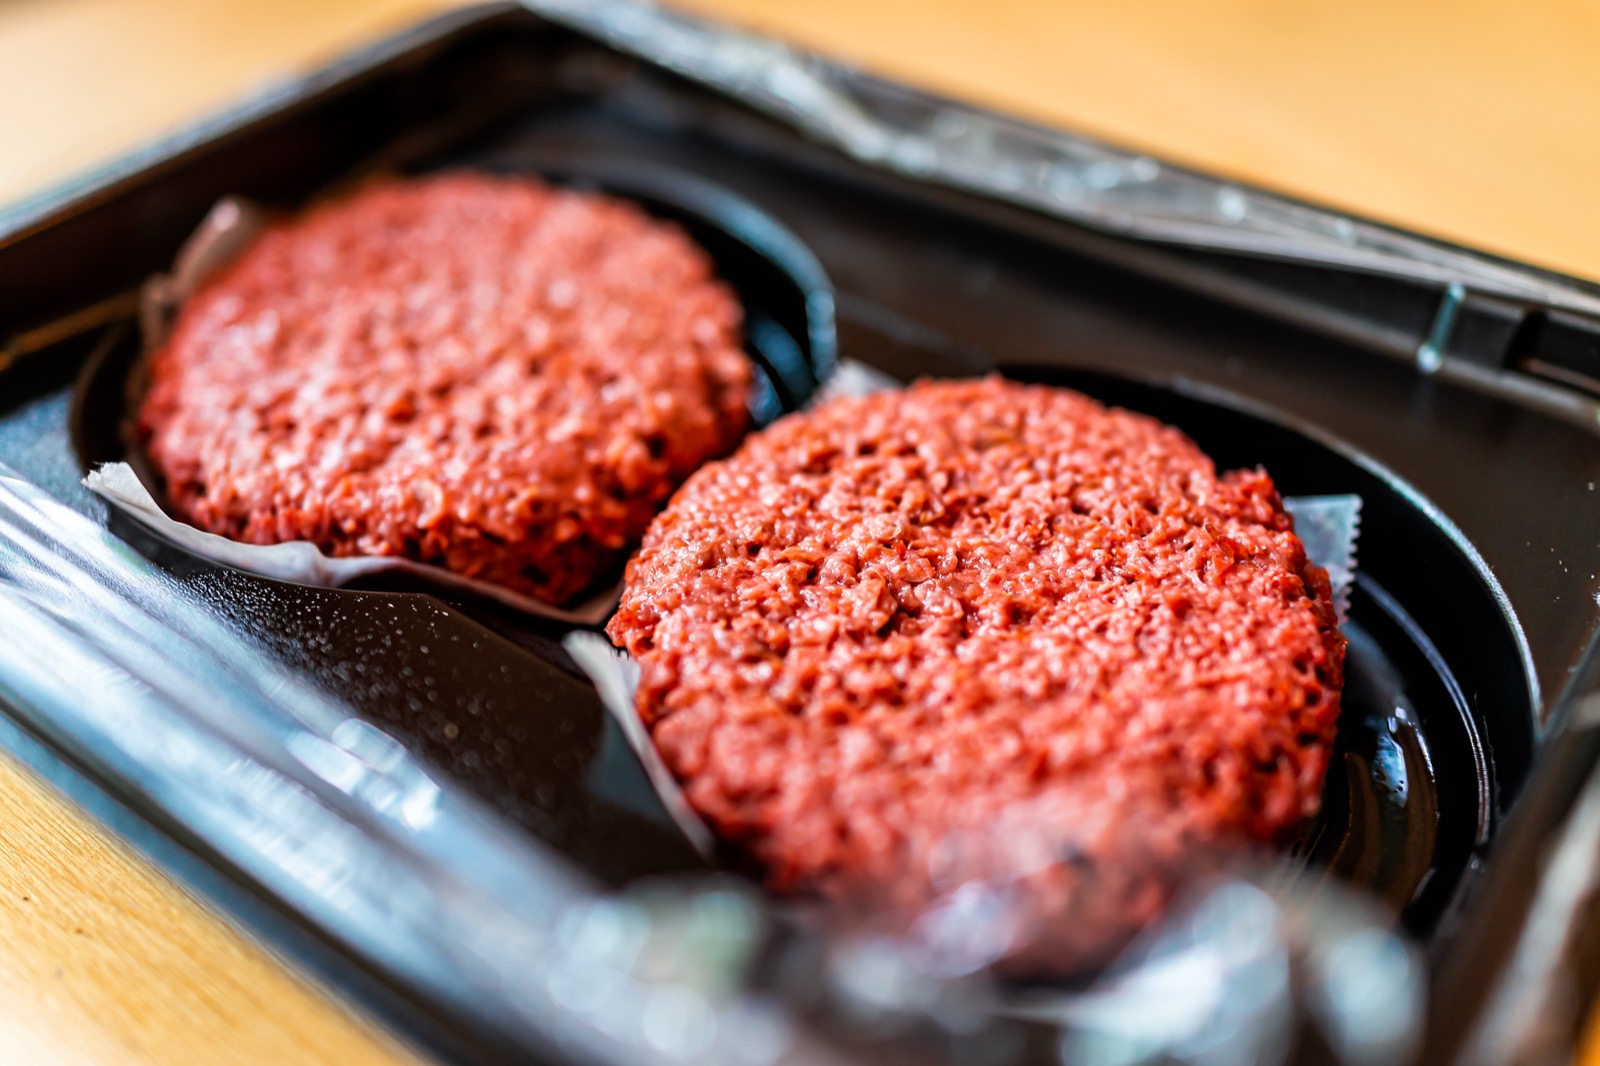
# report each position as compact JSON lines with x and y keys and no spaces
{"x":902,"y":620}
{"x":486,"y":374}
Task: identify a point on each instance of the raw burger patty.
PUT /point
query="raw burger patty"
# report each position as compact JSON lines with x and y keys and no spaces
{"x":980,"y":607}
{"x":481,"y":373}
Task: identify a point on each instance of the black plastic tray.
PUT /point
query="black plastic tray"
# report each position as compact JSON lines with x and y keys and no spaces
{"x":1472,"y":620}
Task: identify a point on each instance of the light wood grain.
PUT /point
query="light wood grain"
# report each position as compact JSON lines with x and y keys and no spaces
{"x":1476,"y":120}
{"x":103,"y":961}
{"x":82,"y":81}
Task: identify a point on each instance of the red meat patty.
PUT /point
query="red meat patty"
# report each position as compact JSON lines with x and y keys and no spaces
{"x":485,"y":374}
{"x":917,"y":616}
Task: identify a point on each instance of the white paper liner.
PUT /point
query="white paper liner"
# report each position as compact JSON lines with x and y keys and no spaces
{"x":304,"y":562}
{"x":851,"y":378}
{"x":616,"y":678}
{"x":227,"y":230}
{"x":1330,"y":527}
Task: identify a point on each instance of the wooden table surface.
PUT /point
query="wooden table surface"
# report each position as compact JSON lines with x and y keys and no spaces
{"x":1475,"y":120}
